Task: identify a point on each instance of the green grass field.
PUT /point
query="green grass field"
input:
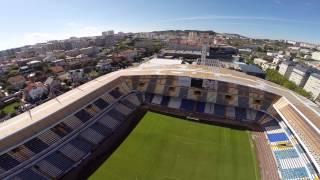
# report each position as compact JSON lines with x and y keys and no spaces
{"x":167,"y":148}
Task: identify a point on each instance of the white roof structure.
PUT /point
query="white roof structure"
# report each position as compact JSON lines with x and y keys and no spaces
{"x":159,"y":61}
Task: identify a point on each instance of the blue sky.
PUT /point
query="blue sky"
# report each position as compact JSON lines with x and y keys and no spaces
{"x":28,"y":22}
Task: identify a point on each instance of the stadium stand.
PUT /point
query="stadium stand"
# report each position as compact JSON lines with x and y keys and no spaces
{"x":60,"y":161}
{"x":291,"y":162}
{"x":49,"y":146}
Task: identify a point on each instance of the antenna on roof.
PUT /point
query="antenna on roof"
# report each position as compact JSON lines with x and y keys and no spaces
{"x":204,"y":54}
{"x":53,"y":93}
{"x":29,"y":111}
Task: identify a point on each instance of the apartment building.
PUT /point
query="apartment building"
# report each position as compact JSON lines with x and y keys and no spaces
{"x":286,"y":68}
{"x":313,"y":85}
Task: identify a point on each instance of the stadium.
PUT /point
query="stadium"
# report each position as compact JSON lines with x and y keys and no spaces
{"x":174,"y":122}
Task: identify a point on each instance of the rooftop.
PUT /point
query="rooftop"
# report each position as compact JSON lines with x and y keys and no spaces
{"x":160,"y":61}
{"x":251,"y":69}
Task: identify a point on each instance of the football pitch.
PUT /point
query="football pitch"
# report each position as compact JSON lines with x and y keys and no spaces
{"x":168,"y":148}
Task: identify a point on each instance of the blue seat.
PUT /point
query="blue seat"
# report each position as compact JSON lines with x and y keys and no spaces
{"x":128,"y":104}
{"x":61,"y":129}
{"x":30,"y":174}
{"x":60,"y":161}
{"x":243,"y":102}
{"x":115,"y":93}
{"x":102,"y":129}
{"x":149,"y":97}
{"x":294,"y":173}
{"x":265,"y":105}
{"x":165,"y":101}
{"x":277,"y":137}
{"x":259,"y":115}
{"x":140,"y":98}
{"x":241,"y":114}
{"x":83,"y":115}
{"x":36,"y":145}
{"x":286,"y":154}
{"x":84,"y":146}
{"x":183,"y":92}
{"x":7,"y":162}
{"x":116,"y":115}
{"x":187,"y":105}
{"x":200,"y":107}
{"x":219,"y":110}
{"x":100,"y":103}
{"x":151,"y":87}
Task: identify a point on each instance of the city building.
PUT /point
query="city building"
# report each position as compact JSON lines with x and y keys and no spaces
{"x":222,"y":52}
{"x":313,"y":85}
{"x":269,"y":65}
{"x":260,"y":62}
{"x":88,"y":50}
{"x":25,"y":69}
{"x":76,"y":76}
{"x":33,"y":92}
{"x":252,"y":70}
{"x":53,"y":85}
{"x":316,"y":56}
{"x":286,"y":68}
{"x":4,"y":68}
{"x":129,"y":54}
{"x":73,"y":52}
{"x":104,"y":65}
{"x":34,"y":64}
{"x":108,"y":33}
{"x":57,"y":70}
{"x":58,"y":62}
{"x":78,"y":60}
{"x":299,"y":75}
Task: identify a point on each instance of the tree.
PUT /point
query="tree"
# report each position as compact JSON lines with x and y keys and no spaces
{"x":13,"y":73}
{"x":2,"y":114}
{"x":62,"y":56}
{"x":276,"y":77}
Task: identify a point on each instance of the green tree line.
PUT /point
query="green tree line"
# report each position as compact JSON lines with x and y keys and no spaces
{"x":276,"y":77}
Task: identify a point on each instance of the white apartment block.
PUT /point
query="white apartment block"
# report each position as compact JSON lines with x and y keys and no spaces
{"x":108,"y":33}
{"x":299,"y":75}
{"x":266,"y":66}
{"x":313,"y":85}
{"x":286,"y":68}
{"x":260,"y":61}
{"x":316,"y":56}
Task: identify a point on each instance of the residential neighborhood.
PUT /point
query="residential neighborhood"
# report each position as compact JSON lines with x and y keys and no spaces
{"x":32,"y":75}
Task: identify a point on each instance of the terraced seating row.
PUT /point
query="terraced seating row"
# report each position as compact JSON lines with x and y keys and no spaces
{"x":28,"y":151}
{"x":60,"y":161}
{"x":232,"y":113}
{"x":303,"y":155}
{"x":292,"y":161}
{"x":226,"y":94}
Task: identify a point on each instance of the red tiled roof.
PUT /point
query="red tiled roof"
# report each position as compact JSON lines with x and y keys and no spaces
{"x":15,"y":79}
{"x":31,"y":86}
{"x":57,"y":69}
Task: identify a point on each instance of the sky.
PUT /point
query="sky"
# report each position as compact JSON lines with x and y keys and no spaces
{"x":28,"y":22}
